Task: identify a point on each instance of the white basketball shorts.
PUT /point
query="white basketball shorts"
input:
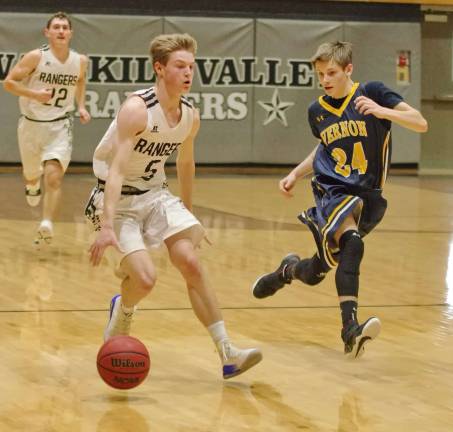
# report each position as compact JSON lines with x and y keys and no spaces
{"x":41,"y":141}
{"x":145,"y":221}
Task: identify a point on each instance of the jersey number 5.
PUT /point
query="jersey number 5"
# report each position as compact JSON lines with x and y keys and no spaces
{"x":358,"y":163}
{"x":150,"y":170}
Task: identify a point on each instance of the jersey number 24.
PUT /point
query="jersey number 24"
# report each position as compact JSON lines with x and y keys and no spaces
{"x":359,"y":161}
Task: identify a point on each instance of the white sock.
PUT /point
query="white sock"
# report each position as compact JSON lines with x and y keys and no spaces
{"x":218,"y":332}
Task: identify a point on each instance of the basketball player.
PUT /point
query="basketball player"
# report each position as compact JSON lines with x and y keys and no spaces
{"x":352,"y":122}
{"x":132,"y":208}
{"x":47,"y":81}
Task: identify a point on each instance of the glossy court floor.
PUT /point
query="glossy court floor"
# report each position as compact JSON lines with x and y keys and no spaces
{"x":53,"y":308}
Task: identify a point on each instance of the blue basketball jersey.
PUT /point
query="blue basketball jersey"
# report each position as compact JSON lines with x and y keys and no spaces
{"x":355,"y":149}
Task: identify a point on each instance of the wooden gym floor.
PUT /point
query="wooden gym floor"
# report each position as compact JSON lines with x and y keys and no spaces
{"x":53,"y":308}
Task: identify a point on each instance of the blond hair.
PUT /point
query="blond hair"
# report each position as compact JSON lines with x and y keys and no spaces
{"x":162,"y":46}
{"x":59,"y":15}
{"x":339,"y":52}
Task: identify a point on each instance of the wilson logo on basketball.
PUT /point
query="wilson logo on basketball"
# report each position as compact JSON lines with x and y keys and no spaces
{"x":126,"y":363}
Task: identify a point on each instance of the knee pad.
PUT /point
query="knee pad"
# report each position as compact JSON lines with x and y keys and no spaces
{"x":351,"y":251}
{"x":348,"y":271}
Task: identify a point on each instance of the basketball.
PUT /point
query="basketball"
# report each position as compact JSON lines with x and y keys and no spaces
{"x":123,"y":362}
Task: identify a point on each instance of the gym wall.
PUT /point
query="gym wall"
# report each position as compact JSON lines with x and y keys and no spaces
{"x":253,"y":81}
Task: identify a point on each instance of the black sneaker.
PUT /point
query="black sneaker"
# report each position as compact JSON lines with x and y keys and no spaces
{"x":355,"y":336}
{"x":270,"y":283}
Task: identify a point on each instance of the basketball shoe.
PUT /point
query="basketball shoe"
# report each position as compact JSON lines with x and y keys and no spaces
{"x":44,"y":234}
{"x":355,"y":336}
{"x":33,"y":194}
{"x":119,"y":321}
{"x":236,"y":361}
{"x":270,"y":283}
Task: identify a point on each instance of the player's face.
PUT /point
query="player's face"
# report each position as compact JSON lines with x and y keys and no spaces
{"x":335,"y":80}
{"x":178,"y":72}
{"x":59,"y":32}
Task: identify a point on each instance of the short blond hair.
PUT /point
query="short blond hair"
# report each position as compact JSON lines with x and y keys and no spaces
{"x":162,"y":46}
{"x":59,"y":15}
{"x":339,"y":52}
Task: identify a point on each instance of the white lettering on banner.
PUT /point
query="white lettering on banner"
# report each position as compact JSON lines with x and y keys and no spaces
{"x":227,"y":72}
{"x":213,"y":106}
{"x":212,"y":72}
{"x":106,"y":108}
{"x":237,"y":106}
{"x":6,"y":63}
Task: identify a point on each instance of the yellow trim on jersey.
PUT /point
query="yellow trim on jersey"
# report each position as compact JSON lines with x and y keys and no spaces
{"x":336,"y":210}
{"x":342,"y":207}
{"x":385,"y":159}
{"x":328,"y":254}
{"x":338,"y":111}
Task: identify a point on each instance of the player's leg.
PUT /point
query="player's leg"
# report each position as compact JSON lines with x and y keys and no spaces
{"x":55,"y":156}
{"x":139,"y":277}
{"x":347,"y":274}
{"x":30,"y":155}
{"x":204,"y":302}
{"x":134,"y":266}
{"x":269,"y":283}
{"x":33,"y":191}
{"x":53,"y":178}
{"x":184,"y":258}
{"x":310,"y":271}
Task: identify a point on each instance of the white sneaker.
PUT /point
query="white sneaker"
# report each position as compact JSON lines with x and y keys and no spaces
{"x":236,"y":361}
{"x":33,"y":194}
{"x":44,"y":234}
{"x":119,"y":321}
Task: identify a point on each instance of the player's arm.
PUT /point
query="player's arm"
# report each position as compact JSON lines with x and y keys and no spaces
{"x":24,"y":67}
{"x":402,"y":114}
{"x":131,"y":120}
{"x":302,"y":170}
{"x":408,"y":117}
{"x":185,"y":164}
{"x":80,"y":91}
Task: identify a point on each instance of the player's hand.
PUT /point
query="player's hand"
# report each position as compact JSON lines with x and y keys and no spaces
{"x":286,"y":184}
{"x":367,"y":106}
{"x":85,"y":116}
{"x":104,"y":239}
{"x":43,"y":95}
{"x":206,"y":239}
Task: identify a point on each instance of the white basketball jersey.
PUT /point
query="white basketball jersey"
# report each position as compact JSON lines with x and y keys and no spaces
{"x":152,"y":147}
{"x":52,"y":74}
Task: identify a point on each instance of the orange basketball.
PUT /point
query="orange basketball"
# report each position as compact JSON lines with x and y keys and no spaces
{"x":123,"y":362}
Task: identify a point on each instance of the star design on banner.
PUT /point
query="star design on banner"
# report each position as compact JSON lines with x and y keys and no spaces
{"x":276,"y":109}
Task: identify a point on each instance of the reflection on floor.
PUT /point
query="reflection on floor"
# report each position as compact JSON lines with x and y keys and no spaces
{"x":53,"y":307}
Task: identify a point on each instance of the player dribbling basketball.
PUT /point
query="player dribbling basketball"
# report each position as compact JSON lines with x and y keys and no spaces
{"x":132,"y":208}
